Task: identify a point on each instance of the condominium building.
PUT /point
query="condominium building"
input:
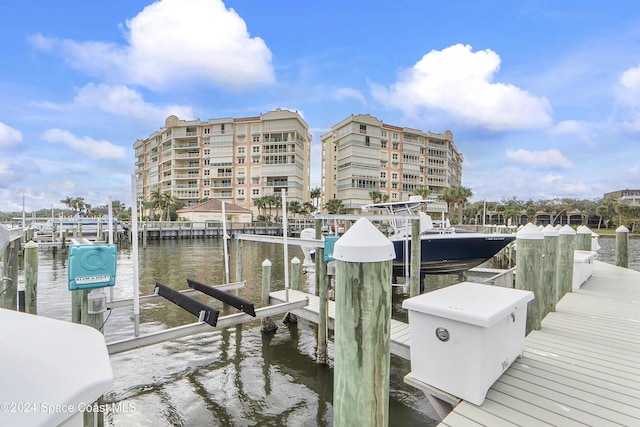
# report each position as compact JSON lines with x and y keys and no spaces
{"x":235,"y":160}
{"x":362,"y":154}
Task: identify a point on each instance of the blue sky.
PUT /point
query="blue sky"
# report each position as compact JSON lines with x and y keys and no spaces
{"x":542,"y":97}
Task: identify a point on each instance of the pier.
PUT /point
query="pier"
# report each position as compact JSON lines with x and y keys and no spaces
{"x":581,"y":367}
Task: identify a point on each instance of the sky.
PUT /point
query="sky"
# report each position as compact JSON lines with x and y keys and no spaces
{"x":542,"y":96}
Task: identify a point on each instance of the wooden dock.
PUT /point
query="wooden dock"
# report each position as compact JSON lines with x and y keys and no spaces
{"x":581,"y":369}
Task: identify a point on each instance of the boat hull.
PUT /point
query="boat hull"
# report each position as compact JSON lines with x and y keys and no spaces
{"x":450,"y":253}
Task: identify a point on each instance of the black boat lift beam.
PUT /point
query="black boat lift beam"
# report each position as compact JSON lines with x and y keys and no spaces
{"x":234,"y":301}
{"x":204,"y":312}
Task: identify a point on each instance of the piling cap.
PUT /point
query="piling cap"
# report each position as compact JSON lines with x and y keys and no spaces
{"x":363,"y":242}
{"x":550,"y":231}
{"x":529,"y":232}
{"x":567,"y":230}
{"x":622,"y":229}
{"x":583,"y":229}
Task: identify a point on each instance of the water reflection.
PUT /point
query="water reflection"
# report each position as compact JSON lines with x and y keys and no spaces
{"x":235,"y":376}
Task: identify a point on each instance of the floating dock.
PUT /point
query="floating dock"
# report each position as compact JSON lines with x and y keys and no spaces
{"x":581,"y":368}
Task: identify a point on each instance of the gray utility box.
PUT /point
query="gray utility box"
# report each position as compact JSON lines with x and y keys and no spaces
{"x":465,"y":336}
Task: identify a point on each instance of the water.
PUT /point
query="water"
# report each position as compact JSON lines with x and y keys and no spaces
{"x":231,"y":377}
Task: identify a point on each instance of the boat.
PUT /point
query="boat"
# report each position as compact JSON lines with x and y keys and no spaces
{"x":444,"y":249}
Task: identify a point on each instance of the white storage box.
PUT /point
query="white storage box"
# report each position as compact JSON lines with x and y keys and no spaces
{"x":465,"y":336}
{"x":583,"y":266}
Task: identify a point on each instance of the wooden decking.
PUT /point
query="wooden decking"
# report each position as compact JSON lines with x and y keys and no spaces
{"x":582,"y":368}
{"x":399,"y":344}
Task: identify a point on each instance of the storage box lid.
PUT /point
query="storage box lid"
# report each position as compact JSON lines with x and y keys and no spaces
{"x":473,"y":303}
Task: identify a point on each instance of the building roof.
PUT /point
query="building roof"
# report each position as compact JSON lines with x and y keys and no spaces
{"x":214,"y":205}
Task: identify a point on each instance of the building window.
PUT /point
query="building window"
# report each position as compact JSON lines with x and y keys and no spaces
{"x":394,"y":175}
{"x":240,"y":181}
{"x":255,"y":180}
{"x":222,"y":128}
{"x":206,"y":172}
{"x":240,"y":191}
{"x":205,"y":193}
{"x":241,"y":160}
{"x":207,"y":131}
{"x":383,"y":174}
{"x":363,"y":128}
{"x":394,"y":185}
{"x":256,"y":149}
{"x":383,"y":144}
{"x":384,"y":133}
{"x":207,"y":182}
{"x":240,"y":150}
{"x":394,"y":156}
{"x":395,"y":135}
{"x":367,"y":141}
{"x":256,"y":138}
{"x":396,"y":145}
{"x":207,"y":162}
{"x":255,"y":192}
{"x":255,"y":159}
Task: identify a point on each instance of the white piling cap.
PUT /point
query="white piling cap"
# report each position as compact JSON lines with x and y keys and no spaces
{"x":583,"y":229}
{"x":529,"y":232}
{"x":567,"y":230}
{"x":295,"y":260}
{"x":622,"y":229}
{"x":363,"y":242}
{"x":266,"y":263}
{"x":550,"y":231}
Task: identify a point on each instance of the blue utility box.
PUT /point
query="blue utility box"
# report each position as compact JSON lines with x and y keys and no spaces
{"x":329,"y":244}
{"x":91,"y":266}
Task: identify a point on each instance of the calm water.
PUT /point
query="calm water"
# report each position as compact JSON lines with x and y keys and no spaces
{"x":233,"y":377}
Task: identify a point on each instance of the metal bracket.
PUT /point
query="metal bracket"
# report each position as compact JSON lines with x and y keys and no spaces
{"x":204,"y":312}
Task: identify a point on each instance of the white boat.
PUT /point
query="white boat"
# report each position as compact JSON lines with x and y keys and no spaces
{"x":443,"y":249}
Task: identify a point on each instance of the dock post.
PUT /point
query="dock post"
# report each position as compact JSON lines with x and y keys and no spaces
{"x":530,"y":242}
{"x":9,"y":283}
{"x":239,"y":259}
{"x":362,"y":327}
{"x":549,"y":269}
{"x":414,"y":286}
{"x":145,"y":234}
{"x":583,"y":238}
{"x":295,"y":280}
{"x":268,"y":325}
{"x":295,"y":273}
{"x":566,"y":245}
{"x":31,"y":277}
{"x":318,"y":236}
{"x":622,"y":246}
{"x":322,"y":281}
{"x":63,"y":238}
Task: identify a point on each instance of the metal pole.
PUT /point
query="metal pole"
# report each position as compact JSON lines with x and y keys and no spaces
{"x":134,"y":251}
{"x":285,"y":229}
{"x":224,"y":243}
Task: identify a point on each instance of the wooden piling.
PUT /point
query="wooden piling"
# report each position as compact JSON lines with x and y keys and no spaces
{"x":583,"y":238}
{"x":295,"y":273}
{"x":549,"y":269}
{"x":145,"y":236}
{"x":9,"y":283}
{"x":566,"y":245}
{"x":530,"y":243}
{"x":622,"y":246}
{"x":323,"y":291}
{"x":362,"y":327}
{"x":31,"y":277}
{"x":414,"y":287}
{"x":239,"y":259}
{"x":268,"y":326}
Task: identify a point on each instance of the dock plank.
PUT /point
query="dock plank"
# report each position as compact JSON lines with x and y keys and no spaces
{"x":581,"y":368}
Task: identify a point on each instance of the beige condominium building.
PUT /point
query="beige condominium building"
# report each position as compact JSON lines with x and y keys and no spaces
{"x":362,"y":154}
{"x":235,"y":160}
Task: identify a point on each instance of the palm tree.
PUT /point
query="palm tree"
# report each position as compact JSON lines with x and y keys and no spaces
{"x":260,"y":203}
{"x":308,"y":208}
{"x":334,"y":206}
{"x":157,"y":201}
{"x":295,"y":207}
{"x":315,"y":195}
{"x":449,"y":197}
{"x":378,"y":196}
{"x":601,"y":211}
{"x":68,"y":201}
{"x":423,"y":192}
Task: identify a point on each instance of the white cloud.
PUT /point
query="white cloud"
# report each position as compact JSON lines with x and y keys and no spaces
{"x":63,"y":186}
{"x":628,"y":90}
{"x":123,"y":101}
{"x":86,"y":146}
{"x":540,"y":159}
{"x":349,"y":93}
{"x":584,"y":131}
{"x":176,"y":41}
{"x":9,"y":137}
{"x":458,"y":82}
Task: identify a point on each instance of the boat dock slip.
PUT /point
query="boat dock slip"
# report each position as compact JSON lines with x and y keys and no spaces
{"x":581,"y":368}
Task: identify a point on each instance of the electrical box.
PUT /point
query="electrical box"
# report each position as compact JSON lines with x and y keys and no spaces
{"x":329,"y":244}
{"x":91,"y":266}
{"x":463,"y":337}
